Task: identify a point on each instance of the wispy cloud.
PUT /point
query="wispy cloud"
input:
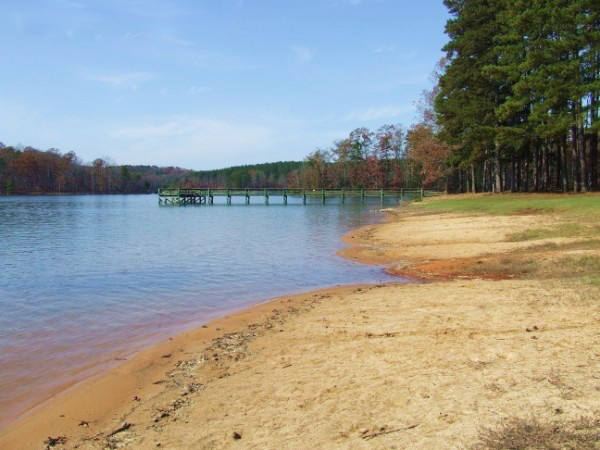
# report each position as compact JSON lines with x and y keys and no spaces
{"x":130,"y":36}
{"x":131,"y":80}
{"x":378,"y":113}
{"x":195,"y":90}
{"x":383,"y":49}
{"x":303,"y":54}
{"x":203,"y":137}
{"x":408,"y":56}
{"x":169,"y":39}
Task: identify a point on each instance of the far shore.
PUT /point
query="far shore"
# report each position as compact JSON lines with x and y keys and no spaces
{"x":496,"y":335}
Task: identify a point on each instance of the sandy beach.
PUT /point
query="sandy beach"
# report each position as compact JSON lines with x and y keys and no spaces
{"x":422,"y":365}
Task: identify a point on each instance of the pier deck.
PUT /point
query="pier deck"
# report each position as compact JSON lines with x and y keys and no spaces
{"x":205,"y":196}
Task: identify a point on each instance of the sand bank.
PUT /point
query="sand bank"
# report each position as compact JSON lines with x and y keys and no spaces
{"x":386,"y":366}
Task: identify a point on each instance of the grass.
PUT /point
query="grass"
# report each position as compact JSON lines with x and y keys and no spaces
{"x":545,"y":262}
{"x":529,"y":434}
{"x":581,"y":206}
{"x":507,"y":267}
{"x":561,"y":230}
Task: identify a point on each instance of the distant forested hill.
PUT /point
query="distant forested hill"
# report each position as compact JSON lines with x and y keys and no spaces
{"x":32,"y":171}
{"x":266,"y":175}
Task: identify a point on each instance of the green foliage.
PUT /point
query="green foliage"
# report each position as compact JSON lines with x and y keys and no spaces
{"x":520,"y":95}
{"x":568,"y":230}
{"x":581,"y":206}
{"x":252,"y":175}
{"x":10,"y":186}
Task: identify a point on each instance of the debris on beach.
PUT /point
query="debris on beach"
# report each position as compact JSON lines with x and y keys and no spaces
{"x":125,"y":426}
{"x":54,"y":441}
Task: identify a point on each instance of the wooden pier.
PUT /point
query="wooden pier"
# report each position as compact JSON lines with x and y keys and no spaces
{"x":205,"y":196}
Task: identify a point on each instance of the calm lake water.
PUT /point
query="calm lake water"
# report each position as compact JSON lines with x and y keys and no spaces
{"x":87,"y":279}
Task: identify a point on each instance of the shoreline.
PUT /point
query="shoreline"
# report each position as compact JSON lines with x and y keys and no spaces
{"x":395,"y":365}
{"x":150,"y":358}
{"x":140,"y":376}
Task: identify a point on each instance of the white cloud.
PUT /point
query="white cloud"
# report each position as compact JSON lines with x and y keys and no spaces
{"x":378,"y":113}
{"x":169,"y":39}
{"x":408,"y":56}
{"x":202,"y":142}
{"x":130,"y":36}
{"x":195,"y":90}
{"x":383,"y":49}
{"x":131,"y":80}
{"x":303,"y":54}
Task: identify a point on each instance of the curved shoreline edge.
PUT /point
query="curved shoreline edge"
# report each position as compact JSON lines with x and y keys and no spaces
{"x":106,"y":394}
{"x":508,"y":335}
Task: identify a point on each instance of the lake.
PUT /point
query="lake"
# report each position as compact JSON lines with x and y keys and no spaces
{"x":89,"y":279}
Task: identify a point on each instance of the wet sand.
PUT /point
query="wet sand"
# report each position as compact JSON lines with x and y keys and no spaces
{"x":395,"y":365}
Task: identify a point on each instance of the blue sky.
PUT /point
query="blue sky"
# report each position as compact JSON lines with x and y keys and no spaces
{"x":205,"y":84}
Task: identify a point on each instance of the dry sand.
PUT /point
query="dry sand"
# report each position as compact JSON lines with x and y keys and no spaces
{"x":387,"y":366}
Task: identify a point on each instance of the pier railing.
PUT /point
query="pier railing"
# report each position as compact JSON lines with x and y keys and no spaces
{"x":191,"y":196}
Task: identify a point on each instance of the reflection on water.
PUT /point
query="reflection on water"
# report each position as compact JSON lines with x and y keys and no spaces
{"x":86,"y":279}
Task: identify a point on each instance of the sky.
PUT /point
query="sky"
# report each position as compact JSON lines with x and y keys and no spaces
{"x":206,"y":84}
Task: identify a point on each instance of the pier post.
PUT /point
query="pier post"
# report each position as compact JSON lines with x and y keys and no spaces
{"x":209,"y":197}
{"x":343,"y":196}
{"x":323,"y":195}
{"x":247,"y":197}
{"x":285,"y":196}
{"x":266,"y":198}
{"x":303,"y":197}
{"x":228,"y":197}
{"x":362,"y":195}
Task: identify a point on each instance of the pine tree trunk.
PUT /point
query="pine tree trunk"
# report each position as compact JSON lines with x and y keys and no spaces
{"x":536,"y":172}
{"x":593,"y":169}
{"x":519,"y":173}
{"x":544,"y":168}
{"x":512,"y":172}
{"x":575,"y":162}
{"x":583,"y":160}
{"x":565,"y":167}
{"x":473,"y":179}
{"x":525,"y":176}
{"x":594,"y":161}
{"x":558,"y":165}
{"x":498,"y":168}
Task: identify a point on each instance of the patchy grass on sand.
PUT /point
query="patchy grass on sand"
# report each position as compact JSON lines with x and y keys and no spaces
{"x":575,"y":206}
{"x":570,"y":216}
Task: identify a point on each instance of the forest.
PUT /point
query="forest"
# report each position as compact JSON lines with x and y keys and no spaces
{"x":266,"y":175}
{"x":515,"y":105}
{"x":32,"y":171}
{"x":363,"y":159}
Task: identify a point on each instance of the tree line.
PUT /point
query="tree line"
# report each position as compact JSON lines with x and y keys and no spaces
{"x":32,"y":171}
{"x":516,"y":105}
{"x":364,"y":159}
{"x":265,"y":175}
